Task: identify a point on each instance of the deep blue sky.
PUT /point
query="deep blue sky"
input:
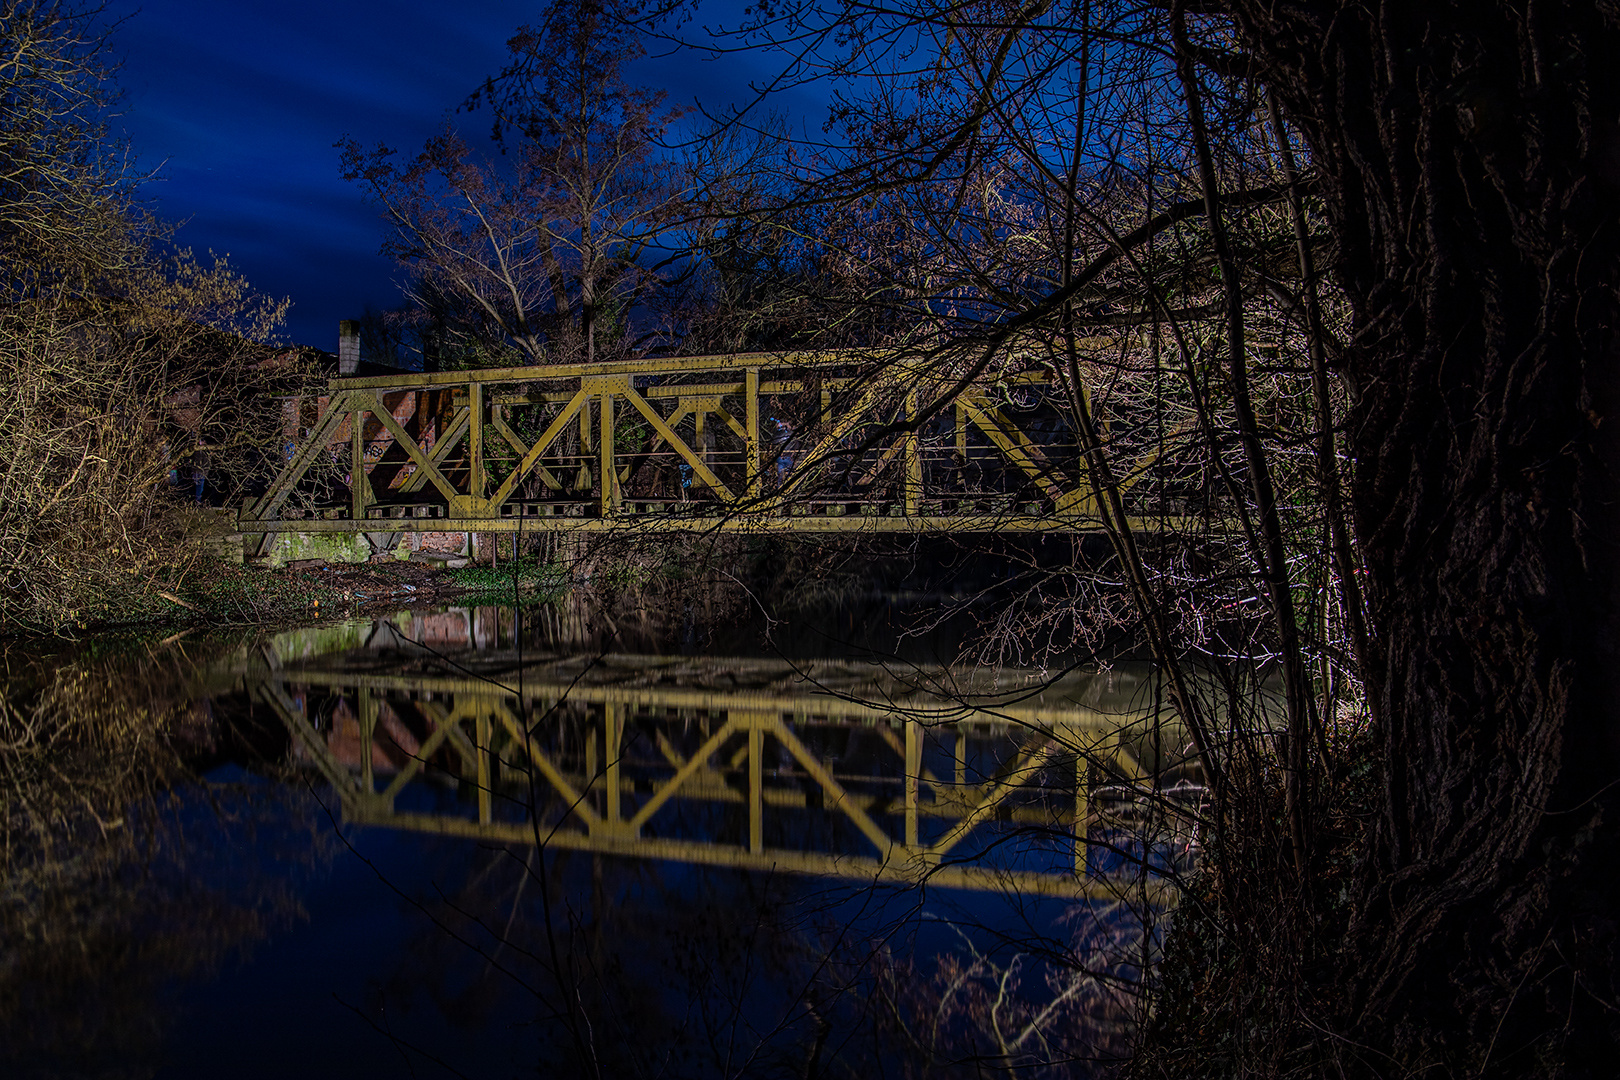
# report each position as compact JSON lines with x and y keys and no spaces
{"x":237,"y":103}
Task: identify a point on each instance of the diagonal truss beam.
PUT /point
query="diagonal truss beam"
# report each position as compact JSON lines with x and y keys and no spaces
{"x":668,"y":435}
{"x":683,"y":773}
{"x":425,"y":465}
{"x":443,"y":447}
{"x":425,"y":752}
{"x":840,"y":798}
{"x":515,"y":441}
{"x":553,"y":775}
{"x":531,"y":456}
{"x":1014,"y":445}
{"x":998,"y":791}
{"x":320,"y":436}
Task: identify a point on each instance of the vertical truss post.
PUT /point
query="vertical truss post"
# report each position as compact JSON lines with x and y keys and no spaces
{"x":609,"y":476}
{"x":367,"y":708}
{"x":612,"y":744}
{"x":698,"y":430}
{"x":482,"y":734}
{"x":756,"y":788}
{"x":477,"y":483}
{"x":497,"y":422}
{"x":960,"y":749}
{"x":751,"y":426}
{"x":590,"y":756}
{"x":914,"y":737}
{"x":359,"y":483}
{"x":587,"y":443}
{"x":914,"y":465}
{"x":961,"y":446}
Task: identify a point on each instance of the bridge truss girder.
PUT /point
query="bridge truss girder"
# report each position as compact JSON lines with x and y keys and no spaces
{"x":567,"y":447}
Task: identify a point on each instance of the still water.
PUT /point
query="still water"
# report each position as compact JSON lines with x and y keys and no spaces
{"x":470,"y":842}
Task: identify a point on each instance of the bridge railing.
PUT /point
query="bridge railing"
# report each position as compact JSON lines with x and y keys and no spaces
{"x":798,"y":442}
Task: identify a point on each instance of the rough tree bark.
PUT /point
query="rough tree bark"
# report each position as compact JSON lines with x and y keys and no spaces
{"x":1469,"y":158}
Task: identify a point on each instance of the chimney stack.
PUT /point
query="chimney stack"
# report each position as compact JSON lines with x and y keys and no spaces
{"x":348,"y":347}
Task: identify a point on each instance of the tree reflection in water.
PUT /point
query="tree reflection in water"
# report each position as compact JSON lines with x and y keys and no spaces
{"x":651,"y":969}
{"x":116,"y":889}
{"x":132,"y":886}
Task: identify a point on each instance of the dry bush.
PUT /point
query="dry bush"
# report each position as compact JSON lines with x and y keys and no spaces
{"x":107,"y":397}
{"x":125,"y":362}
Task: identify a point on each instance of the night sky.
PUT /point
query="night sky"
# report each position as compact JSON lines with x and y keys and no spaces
{"x":236,"y":104}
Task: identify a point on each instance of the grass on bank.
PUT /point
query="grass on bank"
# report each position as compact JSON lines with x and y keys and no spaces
{"x":528,"y":579}
{"x":215,"y":592}
{"x":225,"y":594}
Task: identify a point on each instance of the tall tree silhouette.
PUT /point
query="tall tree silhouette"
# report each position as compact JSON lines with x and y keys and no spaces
{"x":548,"y":244}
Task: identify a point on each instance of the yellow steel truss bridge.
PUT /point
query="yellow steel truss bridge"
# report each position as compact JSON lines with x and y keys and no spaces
{"x":801,"y":442}
{"x":823,"y":767}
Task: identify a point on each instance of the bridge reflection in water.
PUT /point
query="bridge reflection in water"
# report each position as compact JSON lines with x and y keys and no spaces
{"x":822,"y":767}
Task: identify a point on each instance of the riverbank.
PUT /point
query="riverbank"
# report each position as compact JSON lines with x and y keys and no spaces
{"x":212,"y":593}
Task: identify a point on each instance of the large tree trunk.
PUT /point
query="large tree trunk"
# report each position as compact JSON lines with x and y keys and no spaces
{"x":1469,"y":156}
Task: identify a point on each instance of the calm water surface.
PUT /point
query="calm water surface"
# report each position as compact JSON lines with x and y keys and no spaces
{"x":477,"y":842}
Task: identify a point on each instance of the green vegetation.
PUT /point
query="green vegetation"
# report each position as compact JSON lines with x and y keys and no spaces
{"x":527,"y":579}
{"x":217,"y":593}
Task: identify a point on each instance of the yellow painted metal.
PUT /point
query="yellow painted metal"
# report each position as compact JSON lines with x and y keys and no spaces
{"x":579,"y":403}
{"x":359,"y":484}
{"x":612,"y":748}
{"x":420,"y":759}
{"x":913,"y":775}
{"x":594,"y":797}
{"x":443,"y":446}
{"x":513,"y":440}
{"x":751,"y":431}
{"x":835,"y":472}
{"x":743,"y":521}
{"x":550,"y":772}
{"x":587,"y":439}
{"x":914,"y":463}
{"x":424,"y":465}
{"x":756,"y":787}
{"x":861,"y":869}
{"x":607,"y":475}
{"x":306,"y":454}
{"x":693,"y":458}
{"x":676,"y":365}
{"x":687,"y":769}
{"x":485,"y":791}
{"x":471,"y":508}
{"x":1012,"y":442}
{"x":475,"y":439}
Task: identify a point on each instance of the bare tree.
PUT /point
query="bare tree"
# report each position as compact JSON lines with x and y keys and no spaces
{"x":546,"y":247}
{"x":123,"y":360}
{"x":1412,"y":449}
{"x":63,"y":184}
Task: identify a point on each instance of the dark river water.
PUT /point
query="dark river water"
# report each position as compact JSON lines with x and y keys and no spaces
{"x":487,"y":843}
